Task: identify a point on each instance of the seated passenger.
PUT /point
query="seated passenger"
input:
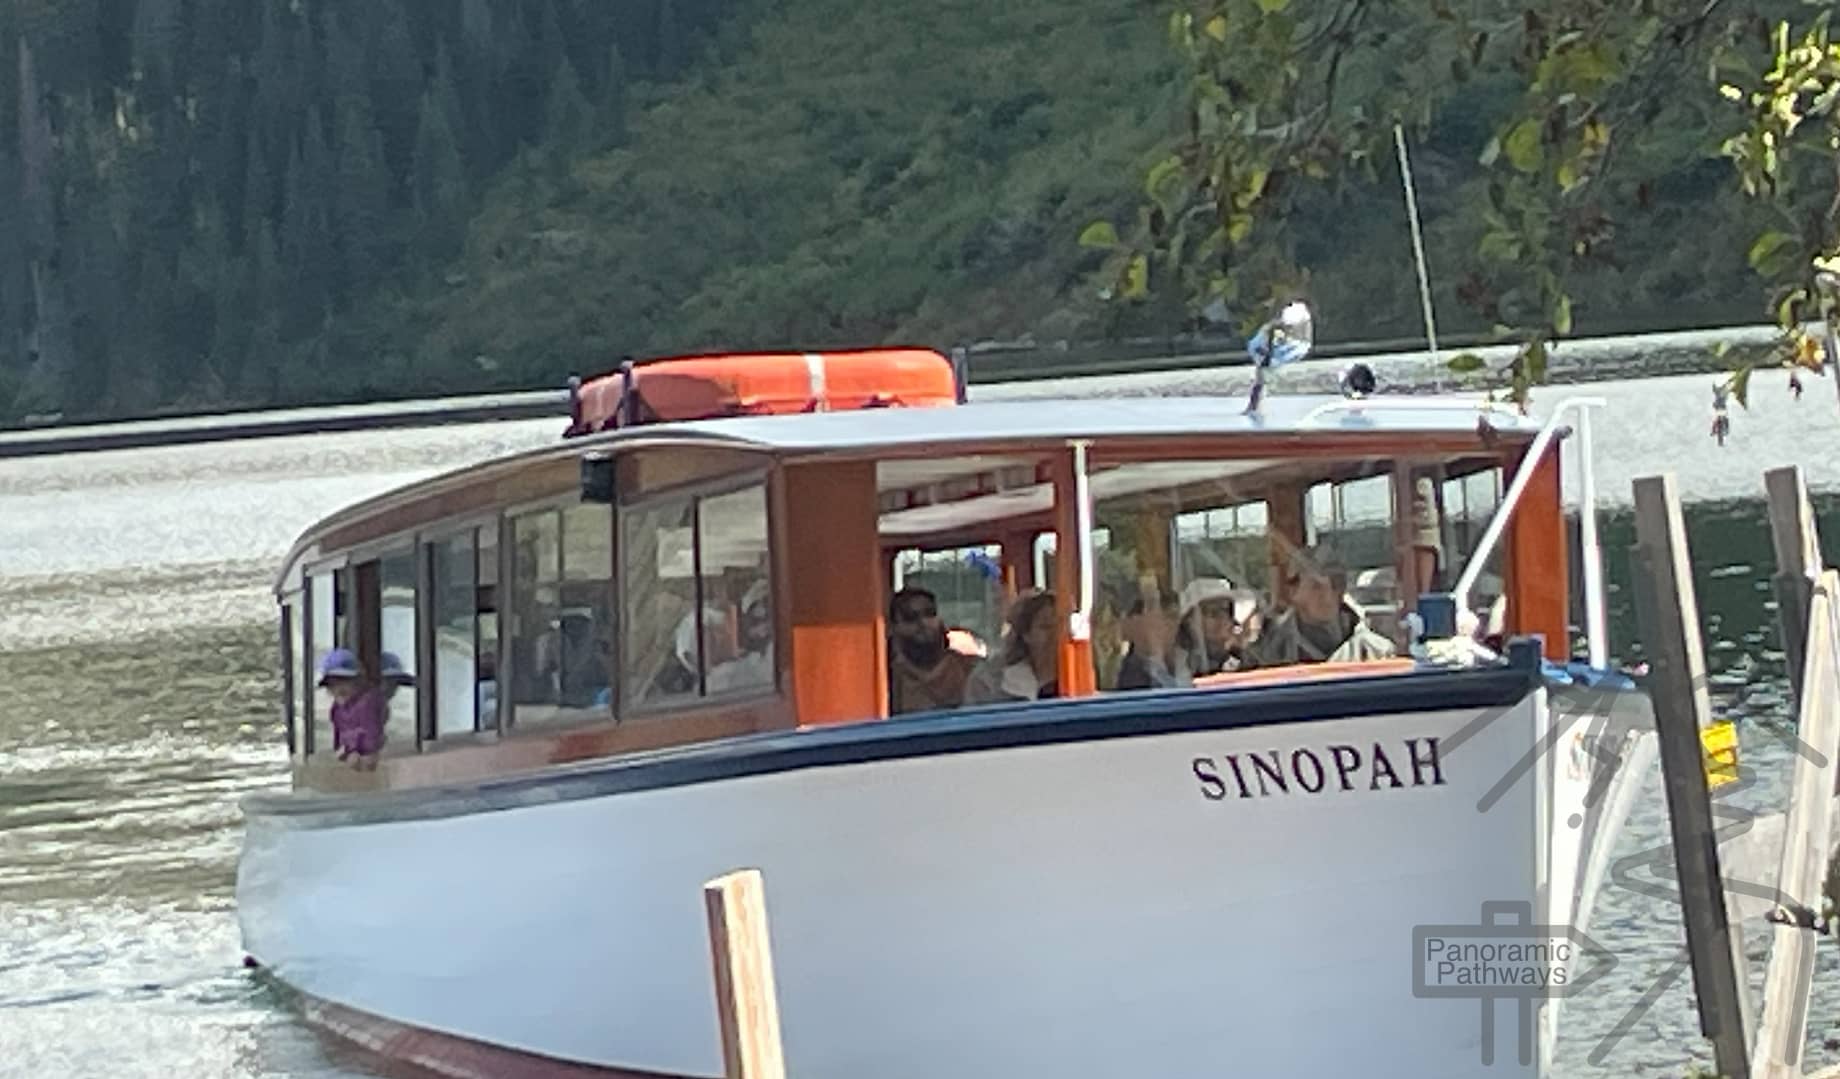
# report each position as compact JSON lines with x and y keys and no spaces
{"x":583,"y":666}
{"x":1153,"y":660}
{"x":1026,"y":665}
{"x":1322,"y":625}
{"x":1217,"y":624}
{"x":924,"y":671}
{"x":751,"y":666}
{"x":1427,"y":537}
{"x":358,"y":709}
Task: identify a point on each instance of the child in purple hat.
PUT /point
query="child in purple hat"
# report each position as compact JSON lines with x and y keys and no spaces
{"x":357,"y":709}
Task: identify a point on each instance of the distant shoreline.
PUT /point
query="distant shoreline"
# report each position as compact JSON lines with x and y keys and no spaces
{"x":1000,"y":373}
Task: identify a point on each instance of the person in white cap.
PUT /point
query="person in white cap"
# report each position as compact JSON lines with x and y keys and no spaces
{"x":1217,"y":624}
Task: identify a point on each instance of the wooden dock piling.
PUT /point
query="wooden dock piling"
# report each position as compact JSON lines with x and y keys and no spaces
{"x":1808,"y":608}
{"x":1807,"y":844}
{"x":1798,"y":564}
{"x":746,"y":1001}
{"x":1669,"y":615}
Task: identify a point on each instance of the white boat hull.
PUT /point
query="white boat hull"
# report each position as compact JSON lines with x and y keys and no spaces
{"x":1090,"y":908}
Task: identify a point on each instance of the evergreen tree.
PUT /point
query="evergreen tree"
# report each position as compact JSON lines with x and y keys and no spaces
{"x":613,"y":98}
{"x":258,"y":193}
{"x":569,"y":119}
{"x":669,"y":47}
{"x":308,"y":255}
{"x":440,"y":180}
{"x":363,"y":197}
{"x":395,"y":86}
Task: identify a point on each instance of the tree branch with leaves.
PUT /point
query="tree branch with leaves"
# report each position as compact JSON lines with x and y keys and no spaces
{"x":1283,"y":96}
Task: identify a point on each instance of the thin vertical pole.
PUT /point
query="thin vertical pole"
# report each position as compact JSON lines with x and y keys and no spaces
{"x":1597,"y":635}
{"x":1418,"y":247}
{"x":1807,"y":841}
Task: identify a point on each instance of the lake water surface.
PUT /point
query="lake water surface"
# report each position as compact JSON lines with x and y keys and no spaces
{"x":137,"y":693}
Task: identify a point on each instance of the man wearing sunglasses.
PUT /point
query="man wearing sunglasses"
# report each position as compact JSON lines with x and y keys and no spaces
{"x":1321,"y":626}
{"x":924,"y":673}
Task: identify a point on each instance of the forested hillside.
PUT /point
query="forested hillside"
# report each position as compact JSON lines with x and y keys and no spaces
{"x":212,"y":203}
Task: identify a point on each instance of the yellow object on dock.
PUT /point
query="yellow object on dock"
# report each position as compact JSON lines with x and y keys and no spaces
{"x":1720,"y":741}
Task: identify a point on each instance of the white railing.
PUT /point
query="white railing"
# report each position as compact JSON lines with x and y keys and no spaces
{"x":1595,"y":631}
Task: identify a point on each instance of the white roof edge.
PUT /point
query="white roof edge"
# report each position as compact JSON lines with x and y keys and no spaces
{"x":929,"y":429}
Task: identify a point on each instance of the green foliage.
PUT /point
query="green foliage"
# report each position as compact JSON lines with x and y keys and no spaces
{"x":207,"y":202}
{"x":1579,"y":118}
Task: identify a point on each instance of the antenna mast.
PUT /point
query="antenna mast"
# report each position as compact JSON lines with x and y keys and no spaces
{"x":1418,"y":247}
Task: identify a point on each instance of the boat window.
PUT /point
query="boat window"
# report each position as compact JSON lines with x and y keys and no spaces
{"x":455,"y":657}
{"x":324,"y":590}
{"x":967,"y":585}
{"x":678,"y":555}
{"x":486,"y":626}
{"x":397,"y":625}
{"x":1467,"y":504}
{"x":535,"y":607}
{"x":731,"y":545}
{"x":587,"y":624}
{"x":658,"y":587}
{"x":1353,"y":522}
{"x":292,"y":658}
{"x":1229,"y":541}
{"x":1188,"y":580}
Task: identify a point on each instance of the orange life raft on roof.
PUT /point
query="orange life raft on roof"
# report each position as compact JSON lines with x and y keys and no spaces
{"x":762,"y":383}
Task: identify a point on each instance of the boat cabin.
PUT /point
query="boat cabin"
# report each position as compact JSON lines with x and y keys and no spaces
{"x":651,"y":581}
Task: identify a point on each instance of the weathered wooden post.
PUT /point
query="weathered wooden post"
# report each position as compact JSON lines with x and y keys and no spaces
{"x":1669,"y":616}
{"x":1807,"y":842}
{"x":1798,"y":564}
{"x":1806,"y":610}
{"x":746,"y":1001}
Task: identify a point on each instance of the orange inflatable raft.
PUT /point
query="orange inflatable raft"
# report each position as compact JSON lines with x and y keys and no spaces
{"x":762,"y":383}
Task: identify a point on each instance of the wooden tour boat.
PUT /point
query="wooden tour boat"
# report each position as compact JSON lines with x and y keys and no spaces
{"x":694,"y":636}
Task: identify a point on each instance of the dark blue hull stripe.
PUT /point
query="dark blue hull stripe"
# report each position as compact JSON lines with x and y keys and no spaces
{"x":966,"y":730}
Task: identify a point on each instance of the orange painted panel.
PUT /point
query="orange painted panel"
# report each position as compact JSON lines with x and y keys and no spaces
{"x":834,"y":589}
{"x":1538,"y":578}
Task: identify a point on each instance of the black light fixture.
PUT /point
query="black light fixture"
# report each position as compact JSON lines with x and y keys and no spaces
{"x":597,"y":478}
{"x":1358,"y":381}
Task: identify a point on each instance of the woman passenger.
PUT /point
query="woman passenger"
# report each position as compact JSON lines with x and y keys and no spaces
{"x":1154,"y":660}
{"x":1026,"y":664}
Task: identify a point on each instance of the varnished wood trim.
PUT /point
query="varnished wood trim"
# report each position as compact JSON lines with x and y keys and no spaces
{"x":488,"y":757}
{"x":1538,"y":579}
{"x":438,"y":1053}
{"x":535,"y":481}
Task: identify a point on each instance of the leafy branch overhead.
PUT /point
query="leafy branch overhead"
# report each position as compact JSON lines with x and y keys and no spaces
{"x":1282,"y":98}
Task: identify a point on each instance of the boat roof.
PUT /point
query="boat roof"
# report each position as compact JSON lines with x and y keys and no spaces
{"x":895,"y":429}
{"x":897,"y":432}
